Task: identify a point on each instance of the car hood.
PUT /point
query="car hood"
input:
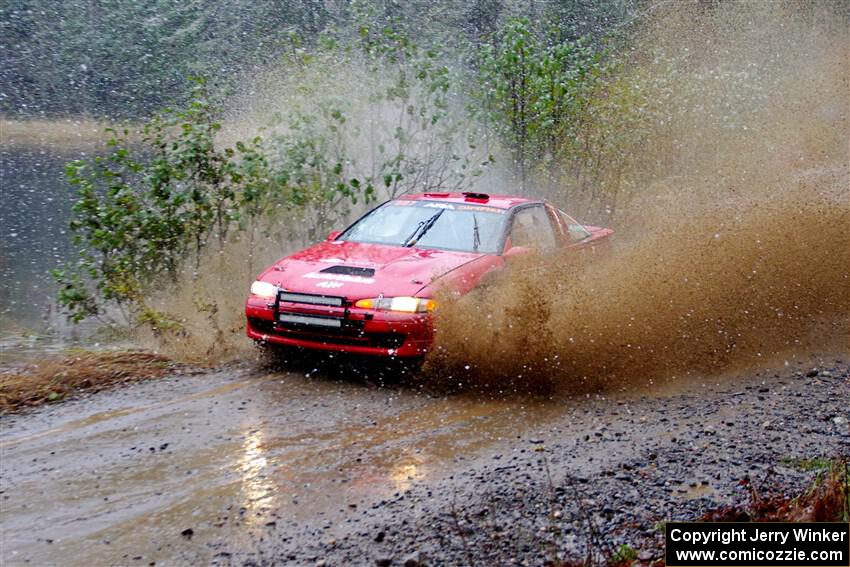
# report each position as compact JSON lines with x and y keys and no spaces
{"x":357,"y":270}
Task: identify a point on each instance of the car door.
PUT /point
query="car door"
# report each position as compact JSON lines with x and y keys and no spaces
{"x":532,"y":229}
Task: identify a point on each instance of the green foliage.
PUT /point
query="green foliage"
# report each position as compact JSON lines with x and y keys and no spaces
{"x":312,"y":169}
{"x":816,"y":464}
{"x":569,"y":114}
{"x":135,"y":219}
{"x":166,"y":195}
{"x":426,"y":147}
{"x":535,"y":92}
{"x":623,"y":555}
{"x":402,"y":123}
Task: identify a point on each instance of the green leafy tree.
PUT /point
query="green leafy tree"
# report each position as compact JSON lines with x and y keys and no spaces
{"x":313,"y":171}
{"x":534,"y":93}
{"x":427,"y":144}
{"x":158,"y":199}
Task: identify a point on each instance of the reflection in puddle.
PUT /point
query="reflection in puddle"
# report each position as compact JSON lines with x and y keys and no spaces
{"x":405,"y":472}
{"x":257,"y":489}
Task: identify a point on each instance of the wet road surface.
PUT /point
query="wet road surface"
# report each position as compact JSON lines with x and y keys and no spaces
{"x":243,"y":466}
{"x":119,"y":476}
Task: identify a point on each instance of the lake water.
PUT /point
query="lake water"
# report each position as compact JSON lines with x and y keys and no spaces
{"x":35,"y":206}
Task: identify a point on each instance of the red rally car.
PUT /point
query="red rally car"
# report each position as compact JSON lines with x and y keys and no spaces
{"x":369,"y":289}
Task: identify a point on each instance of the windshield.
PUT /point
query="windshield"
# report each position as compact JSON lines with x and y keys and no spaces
{"x":431,"y":224}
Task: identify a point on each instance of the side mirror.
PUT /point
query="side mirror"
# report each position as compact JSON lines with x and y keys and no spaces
{"x":517,"y":252}
{"x":333,"y":235}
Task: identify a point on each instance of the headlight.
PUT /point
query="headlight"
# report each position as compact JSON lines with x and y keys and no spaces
{"x":403,"y":304}
{"x":263,"y":289}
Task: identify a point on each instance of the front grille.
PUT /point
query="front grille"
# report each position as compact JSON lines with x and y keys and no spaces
{"x":334,"y":325}
{"x":324,"y":326}
{"x":310,"y":299}
{"x":349,"y":334}
{"x":295,"y":319}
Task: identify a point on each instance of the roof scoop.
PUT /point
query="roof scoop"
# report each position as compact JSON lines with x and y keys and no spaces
{"x":350,"y":271}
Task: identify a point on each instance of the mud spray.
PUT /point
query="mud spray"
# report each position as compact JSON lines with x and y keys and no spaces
{"x":732,"y":246}
{"x":738,"y":256}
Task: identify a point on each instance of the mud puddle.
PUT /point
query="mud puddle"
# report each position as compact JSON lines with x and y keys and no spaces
{"x":196,"y":469}
{"x":165,"y":472}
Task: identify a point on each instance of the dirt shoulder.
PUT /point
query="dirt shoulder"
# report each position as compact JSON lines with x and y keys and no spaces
{"x":74,"y":372}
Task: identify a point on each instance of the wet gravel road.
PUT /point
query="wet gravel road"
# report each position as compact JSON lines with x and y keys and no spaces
{"x":248,"y":467}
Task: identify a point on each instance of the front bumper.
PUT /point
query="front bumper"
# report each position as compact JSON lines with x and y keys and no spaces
{"x":360,"y":331}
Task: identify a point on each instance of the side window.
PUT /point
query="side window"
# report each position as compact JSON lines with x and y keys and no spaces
{"x":576,"y":232}
{"x":531,"y":228}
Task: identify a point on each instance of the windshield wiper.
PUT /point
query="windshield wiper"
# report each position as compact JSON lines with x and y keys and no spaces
{"x":422,"y":228}
{"x":476,"y":238}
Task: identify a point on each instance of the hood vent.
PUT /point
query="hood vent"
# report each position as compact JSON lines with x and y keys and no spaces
{"x":350,"y":271}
